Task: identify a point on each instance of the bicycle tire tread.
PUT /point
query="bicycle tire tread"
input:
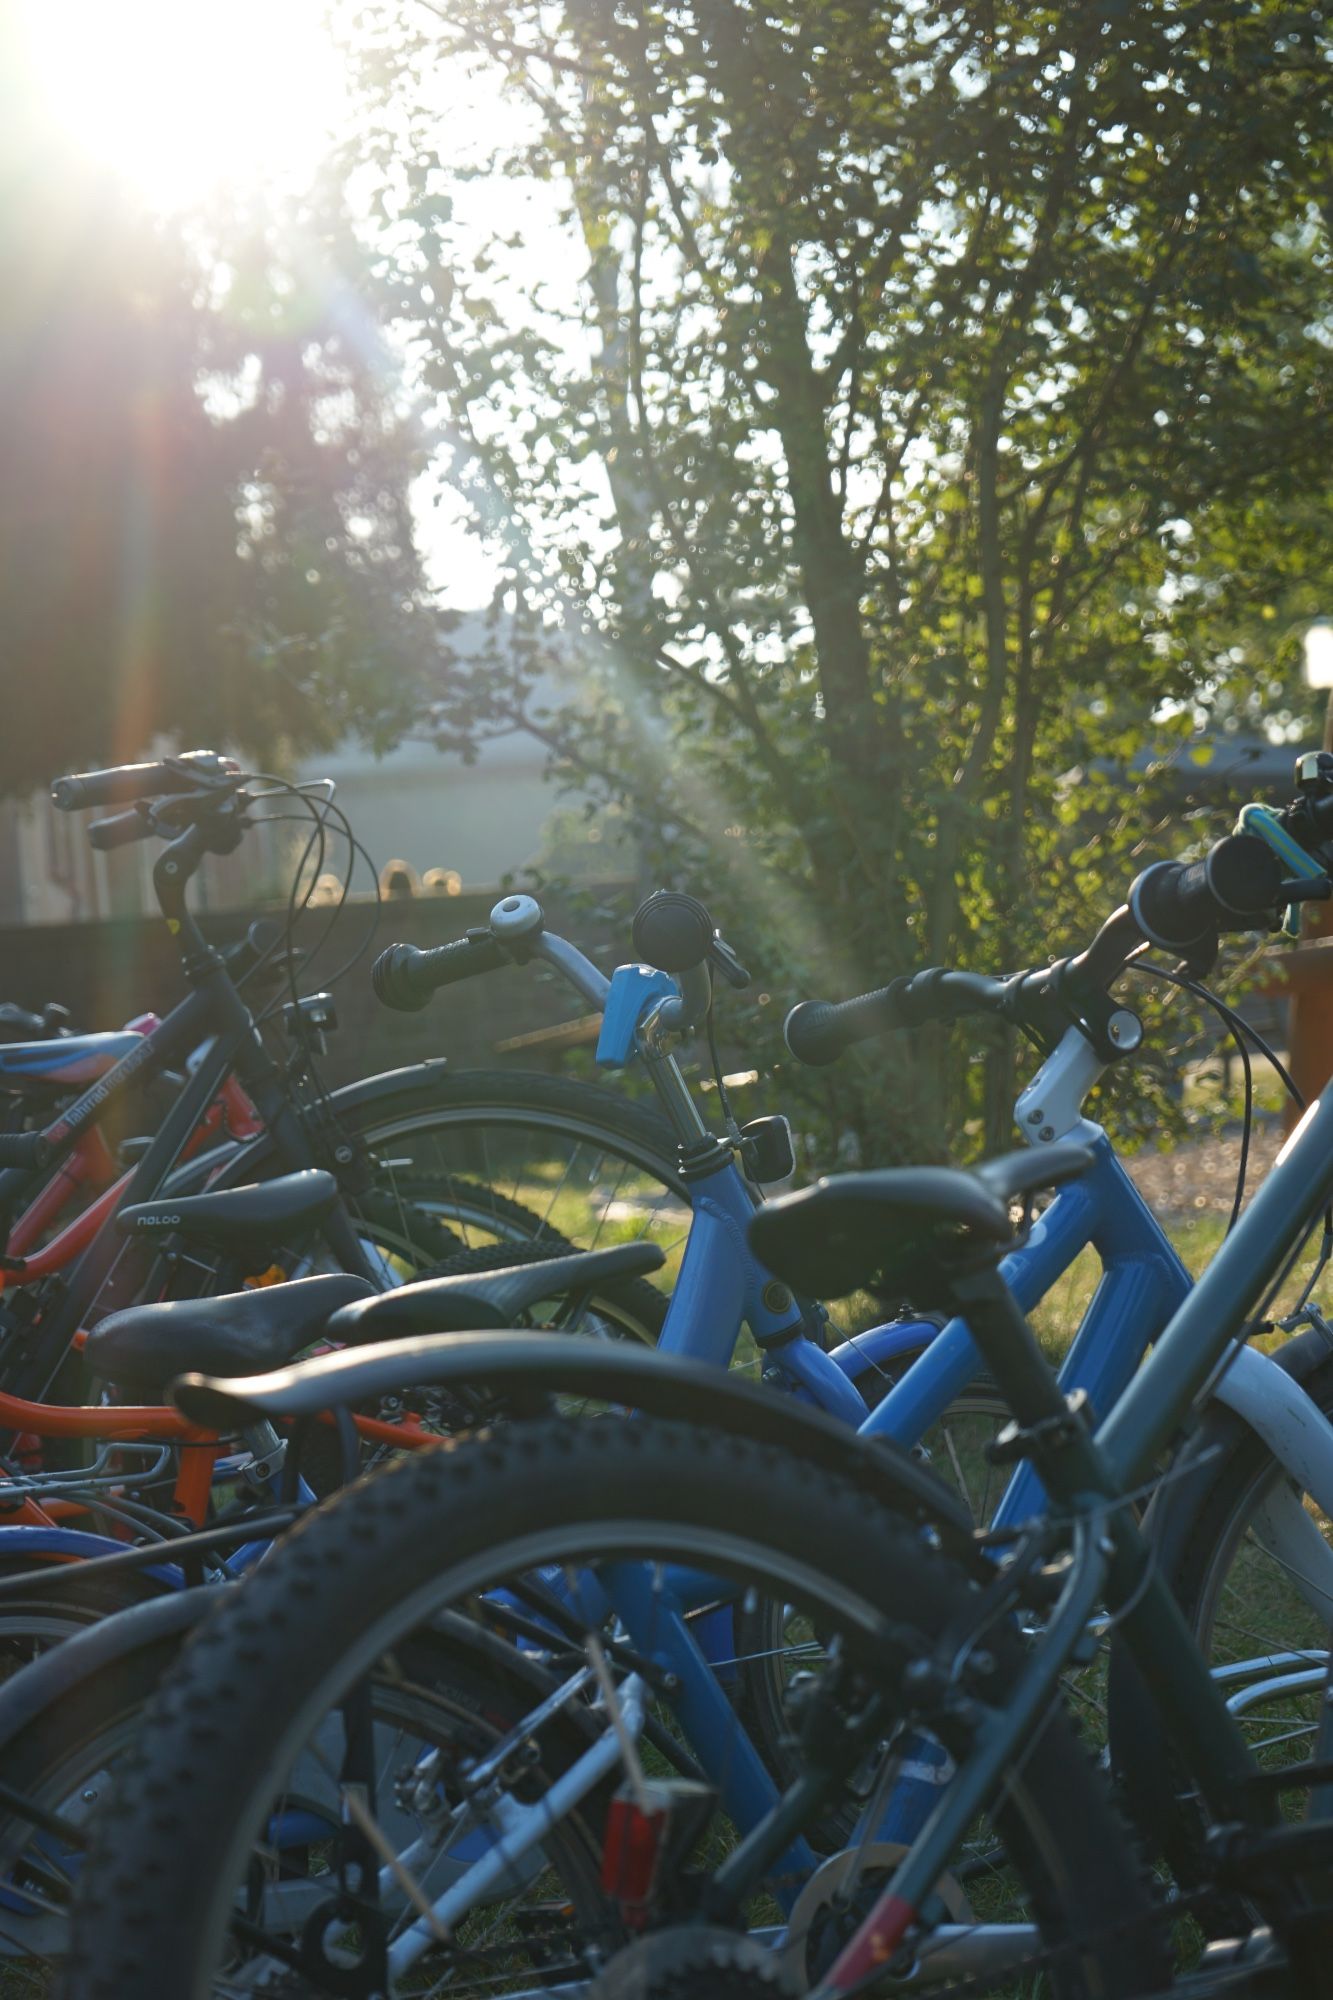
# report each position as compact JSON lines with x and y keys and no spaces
{"x":139,"y":1902}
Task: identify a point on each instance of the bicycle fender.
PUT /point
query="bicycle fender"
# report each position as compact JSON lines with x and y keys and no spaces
{"x":527,"y":1368}
{"x":416,"y":1079}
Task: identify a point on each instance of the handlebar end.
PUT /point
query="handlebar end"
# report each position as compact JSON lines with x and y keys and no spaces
{"x":672,"y":931}
{"x":394,"y":979}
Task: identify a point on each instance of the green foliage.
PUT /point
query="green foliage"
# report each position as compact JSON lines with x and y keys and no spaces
{"x":920,"y":417}
{"x":203,"y":478}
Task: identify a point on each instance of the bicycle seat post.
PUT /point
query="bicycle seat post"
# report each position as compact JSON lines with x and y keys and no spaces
{"x":1048,"y":1427}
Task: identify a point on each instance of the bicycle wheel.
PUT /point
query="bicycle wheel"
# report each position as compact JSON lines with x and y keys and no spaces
{"x":541,"y":1519}
{"x":36,"y":1618}
{"x":59,"y":1761}
{"x":768,"y":1644}
{"x":450,"y":1694}
{"x":1249,"y":1555}
{"x":485,"y":1158}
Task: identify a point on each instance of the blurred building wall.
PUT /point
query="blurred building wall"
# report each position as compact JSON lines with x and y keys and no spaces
{"x":481,"y":821}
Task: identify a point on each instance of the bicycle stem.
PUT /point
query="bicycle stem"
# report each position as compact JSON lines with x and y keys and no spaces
{"x":666,"y":1020}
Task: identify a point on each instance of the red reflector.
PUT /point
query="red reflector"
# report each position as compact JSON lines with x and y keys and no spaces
{"x":874,"y":1944}
{"x":630,"y":1850}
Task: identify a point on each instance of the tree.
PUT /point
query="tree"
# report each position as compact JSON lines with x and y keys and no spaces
{"x":942,"y":394}
{"x":204,"y":524}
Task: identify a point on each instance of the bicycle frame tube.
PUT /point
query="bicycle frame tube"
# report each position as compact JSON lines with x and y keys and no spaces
{"x":720,"y":1284}
{"x":1143,"y":1281}
{"x":711,"y":1292}
{"x":953,"y":1361}
{"x":1225,"y":1298}
{"x":656,"y":1626}
{"x":68,"y":1544}
{"x":37,"y":1352}
{"x":91,"y":1161}
{"x":89,"y":1164}
{"x":170,"y":1042}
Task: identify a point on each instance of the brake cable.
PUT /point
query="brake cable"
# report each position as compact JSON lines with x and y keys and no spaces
{"x":729,"y":1119}
{"x":1240,"y":1031}
{"x":1240,"y":1028}
{"x":321,"y":813}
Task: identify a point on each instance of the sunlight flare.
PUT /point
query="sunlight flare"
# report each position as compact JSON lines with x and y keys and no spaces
{"x":183,"y":99}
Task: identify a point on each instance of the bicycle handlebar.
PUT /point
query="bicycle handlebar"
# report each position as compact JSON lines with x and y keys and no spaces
{"x":123,"y":784}
{"x":19,"y":1024}
{"x":1178,"y":904}
{"x":1173,"y":905}
{"x":405,"y":978}
{"x":818,"y":1031}
{"x":24,"y":1149}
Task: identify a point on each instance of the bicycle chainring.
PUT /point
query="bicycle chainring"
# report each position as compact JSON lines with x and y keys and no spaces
{"x":693,"y":1963}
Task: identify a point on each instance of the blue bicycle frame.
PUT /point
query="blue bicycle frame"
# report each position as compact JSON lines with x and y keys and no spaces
{"x":1142,"y":1282}
{"x":721,"y":1285}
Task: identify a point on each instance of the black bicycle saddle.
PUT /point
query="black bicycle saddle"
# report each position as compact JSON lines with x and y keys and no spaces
{"x":905,"y":1230}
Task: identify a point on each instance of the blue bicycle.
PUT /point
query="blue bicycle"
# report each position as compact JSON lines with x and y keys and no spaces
{"x":719,"y":1650}
{"x":611,"y":1558}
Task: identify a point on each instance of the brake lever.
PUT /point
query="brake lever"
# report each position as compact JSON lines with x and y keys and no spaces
{"x":1307,"y":889}
{"x":721,"y":956}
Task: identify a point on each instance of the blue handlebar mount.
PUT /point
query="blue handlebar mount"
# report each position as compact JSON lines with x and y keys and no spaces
{"x":633,"y":988}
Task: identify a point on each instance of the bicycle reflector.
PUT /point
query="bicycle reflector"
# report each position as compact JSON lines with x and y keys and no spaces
{"x":650,"y":1828}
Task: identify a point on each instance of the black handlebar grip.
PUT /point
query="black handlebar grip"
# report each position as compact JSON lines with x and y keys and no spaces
{"x":119,"y":831}
{"x":24,"y":1149}
{"x":1237,"y":885}
{"x":125,"y":783}
{"x":1245,"y":876}
{"x":817,"y":1031}
{"x":405,"y":978}
{"x":18,"y":1025}
{"x":672,"y":931}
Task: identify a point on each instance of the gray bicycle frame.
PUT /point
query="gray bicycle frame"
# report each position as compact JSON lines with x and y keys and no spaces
{"x":1111,"y":1563}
